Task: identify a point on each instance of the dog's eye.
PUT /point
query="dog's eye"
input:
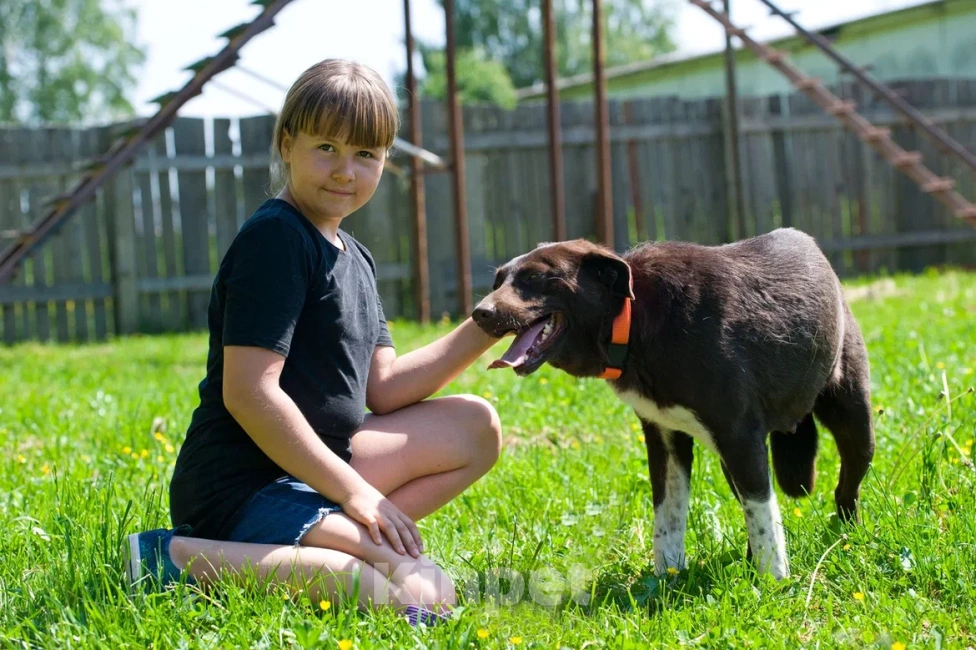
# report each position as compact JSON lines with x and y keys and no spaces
{"x":535,"y":278}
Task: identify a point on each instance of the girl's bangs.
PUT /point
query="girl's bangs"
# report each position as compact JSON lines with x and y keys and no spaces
{"x":362,"y":121}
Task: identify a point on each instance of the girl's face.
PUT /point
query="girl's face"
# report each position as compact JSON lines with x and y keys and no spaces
{"x":329,"y":178}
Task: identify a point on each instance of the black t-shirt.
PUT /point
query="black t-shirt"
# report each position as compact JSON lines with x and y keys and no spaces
{"x":284,"y":287}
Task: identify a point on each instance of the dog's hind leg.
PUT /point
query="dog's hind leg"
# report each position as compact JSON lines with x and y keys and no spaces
{"x":746,"y":467}
{"x":669,"y":458}
{"x":794,"y":457}
{"x":844,"y":407}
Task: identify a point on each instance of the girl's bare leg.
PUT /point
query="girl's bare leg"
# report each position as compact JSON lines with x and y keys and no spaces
{"x":424,"y":455}
{"x":326,"y":574}
{"x":420,"y":457}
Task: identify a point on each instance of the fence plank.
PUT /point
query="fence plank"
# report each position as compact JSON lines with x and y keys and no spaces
{"x":175,"y":312}
{"x":11,"y":220}
{"x":225,"y":190}
{"x":256,"y":135}
{"x":94,"y":217}
{"x":151,"y":312}
{"x":124,"y":271}
{"x":39,"y":189}
{"x":188,"y":137}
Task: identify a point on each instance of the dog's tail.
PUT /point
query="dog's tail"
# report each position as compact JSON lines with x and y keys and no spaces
{"x":794,"y":456}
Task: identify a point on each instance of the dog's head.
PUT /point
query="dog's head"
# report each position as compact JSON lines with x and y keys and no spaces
{"x":559,"y":300}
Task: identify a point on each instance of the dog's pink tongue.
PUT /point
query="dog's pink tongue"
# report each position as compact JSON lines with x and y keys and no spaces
{"x":516,"y":352}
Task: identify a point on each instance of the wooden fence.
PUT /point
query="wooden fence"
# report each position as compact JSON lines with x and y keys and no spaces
{"x":141,"y":258}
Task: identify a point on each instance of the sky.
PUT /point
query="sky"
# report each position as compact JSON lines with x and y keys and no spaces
{"x":176,"y":33}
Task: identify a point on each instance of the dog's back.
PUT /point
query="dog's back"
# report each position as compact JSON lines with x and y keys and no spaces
{"x":770,"y":307}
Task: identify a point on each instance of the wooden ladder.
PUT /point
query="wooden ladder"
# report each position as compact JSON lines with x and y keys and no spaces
{"x":907,"y":162}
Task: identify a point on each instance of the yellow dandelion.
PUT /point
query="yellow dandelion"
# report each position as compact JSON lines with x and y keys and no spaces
{"x":797,"y":512}
{"x":159,"y":459}
{"x":673,"y":571}
{"x":543,"y":381}
{"x":323,"y":605}
{"x":482,"y":633}
{"x":515,"y":640}
{"x":160,"y":437}
{"x":345,"y":644}
{"x":858,"y":596}
{"x":126,"y":450}
{"x":969,"y":443}
{"x":940,"y":366}
{"x":169,"y":448}
{"x":487,"y":394}
{"x":640,"y":438}
{"x":144,"y":453}
{"x":847,"y":547}
{"x":575,"y":444}
{"x":46,"y":469}
{"x":21,"y":459}
{"x":134,"y":456}
{"x":897,"y":645}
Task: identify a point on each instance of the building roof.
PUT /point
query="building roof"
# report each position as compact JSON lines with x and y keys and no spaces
{"x":566,"y":83}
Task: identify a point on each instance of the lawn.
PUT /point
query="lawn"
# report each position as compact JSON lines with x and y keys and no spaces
{"x":559,"y":532}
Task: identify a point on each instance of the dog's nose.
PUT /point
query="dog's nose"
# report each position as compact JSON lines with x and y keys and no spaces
{"x":484,"y":312}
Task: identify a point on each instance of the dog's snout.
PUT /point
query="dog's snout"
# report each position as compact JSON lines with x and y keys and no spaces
{"x":484,"y":312}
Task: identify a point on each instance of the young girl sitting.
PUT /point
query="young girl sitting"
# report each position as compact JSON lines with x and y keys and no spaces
{"x":282,"y":472}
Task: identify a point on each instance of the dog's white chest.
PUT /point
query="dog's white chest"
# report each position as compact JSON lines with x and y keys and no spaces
{"x":672,"y":418}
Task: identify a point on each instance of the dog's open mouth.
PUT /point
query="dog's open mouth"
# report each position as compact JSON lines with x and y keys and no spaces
{"x":528,"y":350}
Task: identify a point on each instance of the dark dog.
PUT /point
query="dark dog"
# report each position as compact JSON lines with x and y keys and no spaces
{"x":727,"y":345}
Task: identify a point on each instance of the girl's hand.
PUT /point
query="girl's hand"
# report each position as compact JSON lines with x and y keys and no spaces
{"x":381,"y":517}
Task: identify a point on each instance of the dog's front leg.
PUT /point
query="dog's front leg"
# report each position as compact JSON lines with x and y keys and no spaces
{"x":746,"y":467}
{"x":669,"y":457}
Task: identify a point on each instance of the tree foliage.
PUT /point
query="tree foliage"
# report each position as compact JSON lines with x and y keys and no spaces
{"x":66,"y":61}
{"x":509,"y":33}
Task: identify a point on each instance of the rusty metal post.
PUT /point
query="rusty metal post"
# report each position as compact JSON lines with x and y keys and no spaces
{"x":604,"y":209}
{"x":457,"y":161}
{"x":555,"y":126}
{"x":736,"y":214}
{"x":421,"y":269}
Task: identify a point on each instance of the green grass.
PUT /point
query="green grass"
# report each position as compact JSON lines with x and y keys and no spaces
{"x":80,"y":468}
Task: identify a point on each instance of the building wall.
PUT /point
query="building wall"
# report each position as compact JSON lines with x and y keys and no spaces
{"x":930,"y":41}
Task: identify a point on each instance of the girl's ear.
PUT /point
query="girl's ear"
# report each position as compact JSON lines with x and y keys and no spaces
{"x":285,"y":148}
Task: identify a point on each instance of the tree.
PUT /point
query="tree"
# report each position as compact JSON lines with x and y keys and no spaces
{"x":66,"y":61}
{"x":479,"y":80}
{"x":510,"y":32}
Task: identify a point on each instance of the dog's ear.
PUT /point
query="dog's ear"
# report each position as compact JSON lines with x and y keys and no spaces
{"x":611,"y":271}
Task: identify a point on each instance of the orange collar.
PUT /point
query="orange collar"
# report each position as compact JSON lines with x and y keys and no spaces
{"x":619,"y":338}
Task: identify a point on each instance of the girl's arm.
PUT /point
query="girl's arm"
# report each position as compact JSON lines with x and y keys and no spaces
{"x":271,"y":418}
{"x":395,"y":382}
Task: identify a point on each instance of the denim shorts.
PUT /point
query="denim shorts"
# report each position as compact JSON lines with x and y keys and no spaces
{"x":281,"y":513}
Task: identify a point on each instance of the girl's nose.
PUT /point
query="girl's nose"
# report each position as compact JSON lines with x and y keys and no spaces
{"x":343,"y":171}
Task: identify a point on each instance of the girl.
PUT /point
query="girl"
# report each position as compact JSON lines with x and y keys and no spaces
{"x":281,"y":472}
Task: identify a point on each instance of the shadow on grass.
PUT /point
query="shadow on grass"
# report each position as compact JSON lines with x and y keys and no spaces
{"x":622,"y":586}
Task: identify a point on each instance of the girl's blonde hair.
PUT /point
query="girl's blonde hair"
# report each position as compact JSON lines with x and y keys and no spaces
{"x":339,"y":99}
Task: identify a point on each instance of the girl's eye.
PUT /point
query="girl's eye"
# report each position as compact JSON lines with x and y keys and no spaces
{"x":366,"y":154}
{"x":326,"y":147}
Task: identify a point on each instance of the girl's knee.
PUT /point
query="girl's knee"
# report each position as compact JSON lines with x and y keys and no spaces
{"x":482,"y":423}
{"x":429,"y":587}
